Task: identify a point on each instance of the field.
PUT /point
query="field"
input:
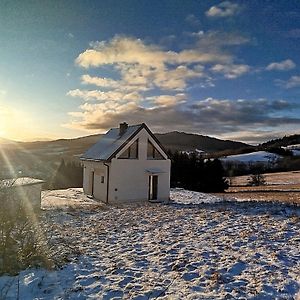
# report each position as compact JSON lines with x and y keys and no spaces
{"x":280,"y":187}
{"x":198,"y":246}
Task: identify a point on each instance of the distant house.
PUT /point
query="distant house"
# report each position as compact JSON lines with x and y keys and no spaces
{"x":24,"y":189}
{"x":127,"y":164}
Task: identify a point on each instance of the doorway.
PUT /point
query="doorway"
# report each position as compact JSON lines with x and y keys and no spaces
{"x":153,"y":187}
{"x":91,"y":183}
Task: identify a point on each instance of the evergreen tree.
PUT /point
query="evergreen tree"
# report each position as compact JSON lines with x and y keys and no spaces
{"x":68,"y":175}
{"x":192,"y":172}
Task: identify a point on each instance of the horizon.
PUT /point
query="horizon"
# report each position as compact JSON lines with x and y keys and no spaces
{"x":224,"y":69}
{"x":166,"y":132}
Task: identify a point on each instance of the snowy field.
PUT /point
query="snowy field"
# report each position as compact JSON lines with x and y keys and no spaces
{"x":196,"y":247}
{"x":252,"y":157}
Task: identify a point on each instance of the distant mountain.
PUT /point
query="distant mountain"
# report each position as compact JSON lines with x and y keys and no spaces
{"x":182,"y":141}
{"x":40,"y":159}
{"x":283,"y":142}
{"x":63,"y":147}
{"x":173,"y":140}
{"x":4,"y":141}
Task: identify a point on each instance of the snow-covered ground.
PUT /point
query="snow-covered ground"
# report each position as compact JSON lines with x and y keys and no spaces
{"x":296,"y":152}
{"x":259,"y":156}
{"x":195,"y":247}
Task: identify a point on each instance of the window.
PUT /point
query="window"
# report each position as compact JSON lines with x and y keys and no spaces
{"x":102,"y":179}
{"x":152,"y":152}
{"x":131,"y":152}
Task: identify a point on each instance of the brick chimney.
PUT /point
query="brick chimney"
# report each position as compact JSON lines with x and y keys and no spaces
{"x":123,"y":127}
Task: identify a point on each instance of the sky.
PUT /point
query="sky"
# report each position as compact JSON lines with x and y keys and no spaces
{"x":227,"y":69}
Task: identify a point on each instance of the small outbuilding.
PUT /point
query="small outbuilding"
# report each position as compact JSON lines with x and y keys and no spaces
{"x":127,"y":164}
{"x":24,"y":189}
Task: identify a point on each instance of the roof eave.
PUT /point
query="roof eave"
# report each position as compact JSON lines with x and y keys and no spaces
{"x":93,"y":159}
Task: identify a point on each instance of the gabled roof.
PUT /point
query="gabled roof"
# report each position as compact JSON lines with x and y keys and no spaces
{"x":112,"y":143}
{"x":21,"y":181}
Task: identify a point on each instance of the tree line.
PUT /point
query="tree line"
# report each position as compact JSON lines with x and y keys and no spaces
{"x":187,"y":171}
{"x":68,"y":174}
{"x":194,"y":173}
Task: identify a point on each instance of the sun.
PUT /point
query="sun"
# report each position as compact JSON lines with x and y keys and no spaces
{"x":16,"y":124}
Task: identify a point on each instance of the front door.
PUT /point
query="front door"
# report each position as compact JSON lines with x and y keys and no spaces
{"x":91,"y":183}
{"x":153,"y":184}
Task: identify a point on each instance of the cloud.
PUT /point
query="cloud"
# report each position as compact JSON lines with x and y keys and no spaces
{"x":231,"y":71}
{"x":168,"y":100}
{"x":88,"y":95}
{"x":229,"y":117}
{"x":126,"y":50}
{"x":292,"y":82}
{"x":256,"y":136}
{"x":284,"y":65}
{"x":192,"y":20}
{"x":224,"y":9}
{"x":153,"y":83}
{"x":241,"y":111}
{"x":99,"y":81}
{"x":123,"y":50}
{"x":294,"y":33}
{"x":144,"y":67}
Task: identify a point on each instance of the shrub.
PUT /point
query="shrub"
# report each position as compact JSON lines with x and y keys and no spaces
{"x":256,"y":180}
{"x":22,"y":240}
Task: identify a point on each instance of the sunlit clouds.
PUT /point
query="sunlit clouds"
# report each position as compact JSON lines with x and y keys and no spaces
{"x":231,"y":71}
{"x":152,"y":85}
{"x":223,"y":10}
{"x":150,"y":77}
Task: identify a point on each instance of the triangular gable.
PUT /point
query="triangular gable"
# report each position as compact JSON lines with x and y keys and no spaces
{"x":154,"y":140}
{"x":112,"y":144}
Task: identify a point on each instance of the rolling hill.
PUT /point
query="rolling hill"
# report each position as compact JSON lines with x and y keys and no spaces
{"x":4,"y":141}
{"x":283,"y":142}
{"x":173,"y":141}
{"x":182,"y":141}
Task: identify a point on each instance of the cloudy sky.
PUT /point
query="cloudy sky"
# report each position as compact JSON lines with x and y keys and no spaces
{"x":226,"y":69}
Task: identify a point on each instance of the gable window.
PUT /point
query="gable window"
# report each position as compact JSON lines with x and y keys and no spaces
{"x":131,"y":152}
{"x":152,"y":152}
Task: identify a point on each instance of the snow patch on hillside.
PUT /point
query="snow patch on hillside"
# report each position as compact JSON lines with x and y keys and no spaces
{"x":259,"y":156}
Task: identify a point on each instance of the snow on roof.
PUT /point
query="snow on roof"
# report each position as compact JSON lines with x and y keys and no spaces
{"x":110,"y":143}
{"x":259,"y":156}
{"x":7,"y":183}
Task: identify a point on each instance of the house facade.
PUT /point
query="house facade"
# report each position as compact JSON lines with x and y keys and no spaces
{"x":127,"y":164}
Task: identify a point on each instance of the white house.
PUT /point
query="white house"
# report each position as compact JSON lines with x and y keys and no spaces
{"x":127,"y":164}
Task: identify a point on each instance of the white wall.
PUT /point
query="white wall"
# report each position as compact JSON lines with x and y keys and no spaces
{"x":99,"y":169}
{"x":129,"y":179}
